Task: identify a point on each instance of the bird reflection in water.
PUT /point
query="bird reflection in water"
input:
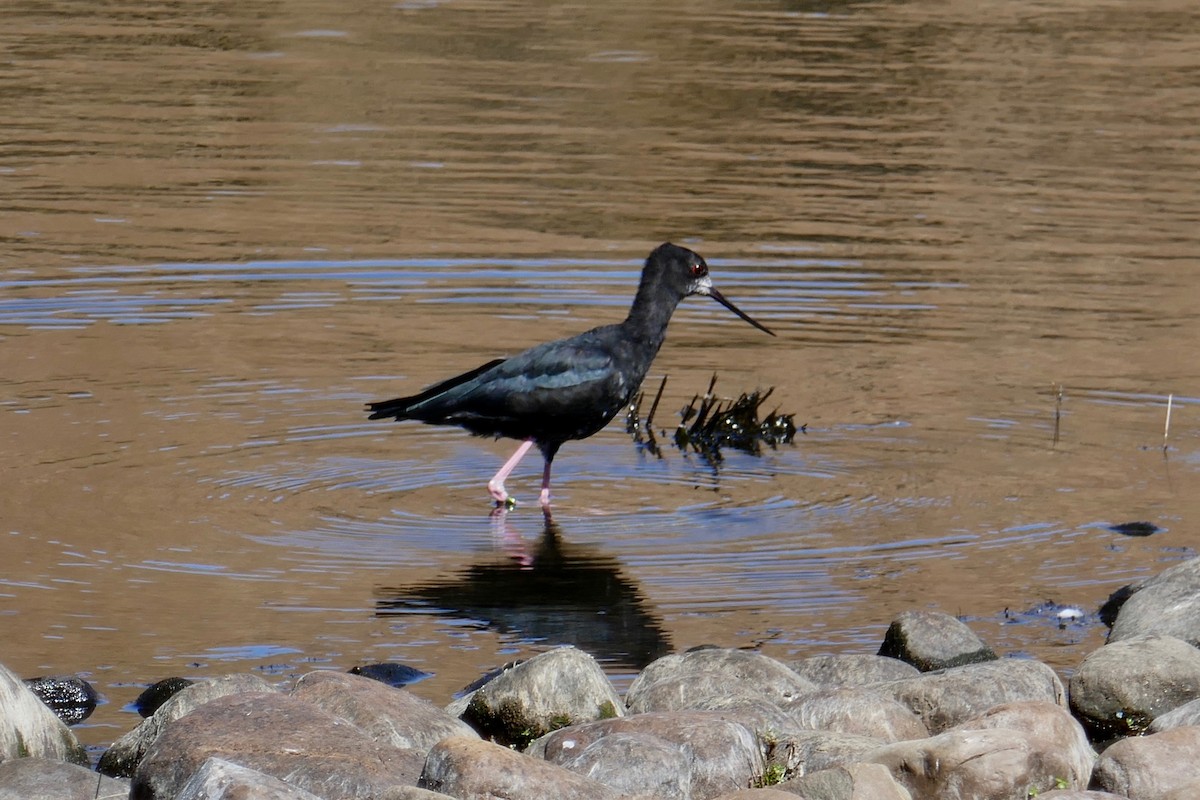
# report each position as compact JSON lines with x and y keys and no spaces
{"x":546,"y":589}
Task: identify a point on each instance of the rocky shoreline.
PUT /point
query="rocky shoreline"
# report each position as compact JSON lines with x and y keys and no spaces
{"x":934,"y":714}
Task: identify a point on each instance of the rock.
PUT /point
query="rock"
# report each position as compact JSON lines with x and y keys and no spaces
{"x":29,"y":728}
{"x":1079,"y":794}
{"x":757,"y":794}
{"x":39,"y":778}
{"x":694,"y":691}
{"x":1184,"y":791}
{"x":852,"y":670}
{"x":123,"y":756}
{"x":472,"y":768}
{"x":1048,"y":727}
{"x":932,"y":640}
{"x":1167,"y":603}
{"x":709,"y":670}
{"x":279,"y":735}
{"x":755,"y":713}
{"x":857,"y":710}
{"x":1149,"y":767}
{"x":1121,"y":688}
{"x":218,"y":779}
{"x":389,"y":716}
{"x":717,"y":755}
{"x":947,"y":697}
{"x":632,"y":762}
{"x":154,"y":695}
{"x":549,"y":691}
{"x":72,"y":699}
{"x":852,"y":782}
{"x":391,"y":673}
{"x":990,"y":764}
{"x":810,"y":751}
{"x":1186,"y":714}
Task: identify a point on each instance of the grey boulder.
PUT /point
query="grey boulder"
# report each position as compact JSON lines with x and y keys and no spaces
{"x":472,"y":768}
{"x":1121,"y":688}
{"x":37,"y":778}
{"x":1150,"y":767}
{"x":29,"y":728}
{"x":947,"y":697}
{"x":388,"y":715}
{"x":279,"y":735}
{"x":122,"y":757}
{"x":931,"y":640}
{"x":549,"y":691}
{"x":852,"y":669}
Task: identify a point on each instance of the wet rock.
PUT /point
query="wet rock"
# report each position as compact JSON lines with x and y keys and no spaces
{"x":154,"y":695}
{"x":1148,"y":767}
{"x":932,"y":640}
{"x":713,"y":670}
{"x":122,"y":758}
{"x":852,"y":669}
{"x":857,"y":710}
{"x":472,"y":768}
{"x":1167,"y":603}
{"x":218,"y":779}
{"x":1121,"y":688}
{"x":50,"y":779}
{"x":549,"y":691}
{"x":29,"y":728}
{"x":389,"y":716}
{"x":1186,"y":714}
{"x":717,"y":755}
{"x":1049,"y":728}
{"x":947,"y":697}
{"x":279,"y":735}
{"x":852,"y":782}
{"x":391,"y":673}
{"x":72,"y":699}
{"x":990,"y":764}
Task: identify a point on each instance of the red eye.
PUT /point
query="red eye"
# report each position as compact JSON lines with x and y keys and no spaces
{"x":699,"y":270}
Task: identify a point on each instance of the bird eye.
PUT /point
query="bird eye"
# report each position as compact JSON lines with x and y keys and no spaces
{"x":699,"y":270}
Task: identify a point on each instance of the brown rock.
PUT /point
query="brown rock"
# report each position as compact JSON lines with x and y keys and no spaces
{"x":852,"y":782}
{"x":852,"y":669}
{"x":1049,"y":728}
{"x":279,"y":735}
{"x":1148,"y":767}
{"x":995,"y":764}
{"x":389,"y":716}
{"x":472,"y":768}
{"x":858,"y":710}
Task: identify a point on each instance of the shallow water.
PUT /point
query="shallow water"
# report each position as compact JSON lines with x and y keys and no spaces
{"x":227,"y":229}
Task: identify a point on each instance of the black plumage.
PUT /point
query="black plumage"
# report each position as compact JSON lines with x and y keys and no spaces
{"x":570,"y":388}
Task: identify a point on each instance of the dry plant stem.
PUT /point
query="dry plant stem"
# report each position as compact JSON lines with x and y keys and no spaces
{"x":1167,"y":426}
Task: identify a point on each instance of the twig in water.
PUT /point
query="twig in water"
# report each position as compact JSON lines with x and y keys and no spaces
{"x":1058,"y":398}
{"x":1167,"y":426}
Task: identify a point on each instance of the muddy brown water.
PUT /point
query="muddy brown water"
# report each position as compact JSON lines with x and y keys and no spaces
{"x":226,"y":226}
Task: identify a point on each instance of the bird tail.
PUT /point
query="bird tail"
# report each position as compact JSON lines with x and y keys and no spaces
{"x":407,"y":407}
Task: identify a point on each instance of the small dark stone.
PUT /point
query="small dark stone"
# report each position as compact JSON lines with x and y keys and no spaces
{"x":72,"y":699}
{"x":1135,"y":528}
{"x":392,"y":674}
{"x":1112,"y":606}
{"x":158,"y":693}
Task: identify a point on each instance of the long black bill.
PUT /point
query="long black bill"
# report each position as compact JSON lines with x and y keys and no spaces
{"x":720,"y":298}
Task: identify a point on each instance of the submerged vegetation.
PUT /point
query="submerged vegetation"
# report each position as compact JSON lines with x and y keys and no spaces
{"x":708,"y":423}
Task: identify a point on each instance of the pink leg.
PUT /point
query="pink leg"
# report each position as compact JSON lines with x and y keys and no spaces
{"x":496,"y":484}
